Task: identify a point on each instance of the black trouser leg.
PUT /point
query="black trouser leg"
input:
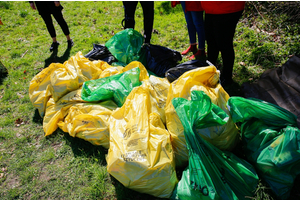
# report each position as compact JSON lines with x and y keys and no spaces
{"x":220,"y":31}
{"x":212,"y":46}
{"x":129,"y":10}
{"x":148,"y":12}
{"x":62,"y":22}
{"x":49,"y":24}
{"x":227,"y":49}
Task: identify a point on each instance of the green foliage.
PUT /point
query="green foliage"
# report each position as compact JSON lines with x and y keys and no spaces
{"x":264,"y":39}
{"x":62,"y":167}
{"x":5,"y":4}
{"x":23,"y":13}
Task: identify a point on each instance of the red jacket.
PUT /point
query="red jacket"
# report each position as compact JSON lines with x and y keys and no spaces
{"x":189,"y":5}
{"x":222,"y":7}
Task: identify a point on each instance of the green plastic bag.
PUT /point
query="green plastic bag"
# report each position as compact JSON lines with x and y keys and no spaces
{"x":212,"y":173}
{"x":271,"y":140}
{"x":116,"y":87}
{"x":126,"y":46}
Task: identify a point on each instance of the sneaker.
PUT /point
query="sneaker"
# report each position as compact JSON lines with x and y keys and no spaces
{"x":192,"y":48}
{"x":54,"y":46}
{"x":70,"y":43}
{"x":199,"y":55}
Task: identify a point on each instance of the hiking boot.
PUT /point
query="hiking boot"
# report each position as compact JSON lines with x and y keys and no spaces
{"x":54,"y":46}
{"x":70,"y":43}
{"x":199,"y":55}
{"x":192,"y":48}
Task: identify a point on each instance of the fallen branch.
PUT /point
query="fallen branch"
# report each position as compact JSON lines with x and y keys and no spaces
{"x":24,"y":53}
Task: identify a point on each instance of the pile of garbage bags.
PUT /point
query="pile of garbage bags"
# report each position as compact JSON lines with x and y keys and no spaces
{"x":127,"y":46}
{"x":152,"y":126}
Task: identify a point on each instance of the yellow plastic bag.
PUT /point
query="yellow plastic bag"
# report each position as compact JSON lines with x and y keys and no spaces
{"x":143,"y":71}
{"x":202,"y":79}
{"x":39,"y":89}
{"x":111,"y":71}
{"x":90,"y":122}
{"x":56,"y":111}
{"x":158,"y":89}
{"x":118,"y":70}
{"x":59,"y":79}
{"x":75,"y":72}
{"x":140,"y":155}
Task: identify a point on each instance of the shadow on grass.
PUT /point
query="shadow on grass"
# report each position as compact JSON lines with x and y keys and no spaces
{"x":37,"y":117}
{"x":234,"y":89}
{"x":3,"y":73}
{"x":127,"y":194}
{"x":55,"y":59}
{"x":81,"y":147}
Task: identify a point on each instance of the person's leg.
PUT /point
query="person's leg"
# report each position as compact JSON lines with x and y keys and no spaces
{"x":62,"y":23}
{"x":190,"y":25}
{"x":129,"y":11}
{"x":197,"y":20}
{"x":49,"y":24}
{"x":191,"y":31}
{"x":228,"y":24}
{"x":148,"y":12}
{"x":210,"y":35}
{"x":64,"y":26}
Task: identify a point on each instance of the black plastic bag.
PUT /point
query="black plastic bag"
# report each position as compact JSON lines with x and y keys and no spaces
{"x":175,"y":72}
{"x":160,"y":59}
{"x":101,"y":52}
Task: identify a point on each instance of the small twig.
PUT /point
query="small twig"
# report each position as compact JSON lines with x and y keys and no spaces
{"x":257,"y":60}
{"x":24,"y":53}
{"x":260,"y":13}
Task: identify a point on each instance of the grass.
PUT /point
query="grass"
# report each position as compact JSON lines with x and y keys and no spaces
{"x":62,"y":167}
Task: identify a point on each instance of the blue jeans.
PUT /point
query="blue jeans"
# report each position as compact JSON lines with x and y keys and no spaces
{"x":195,"y":24}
